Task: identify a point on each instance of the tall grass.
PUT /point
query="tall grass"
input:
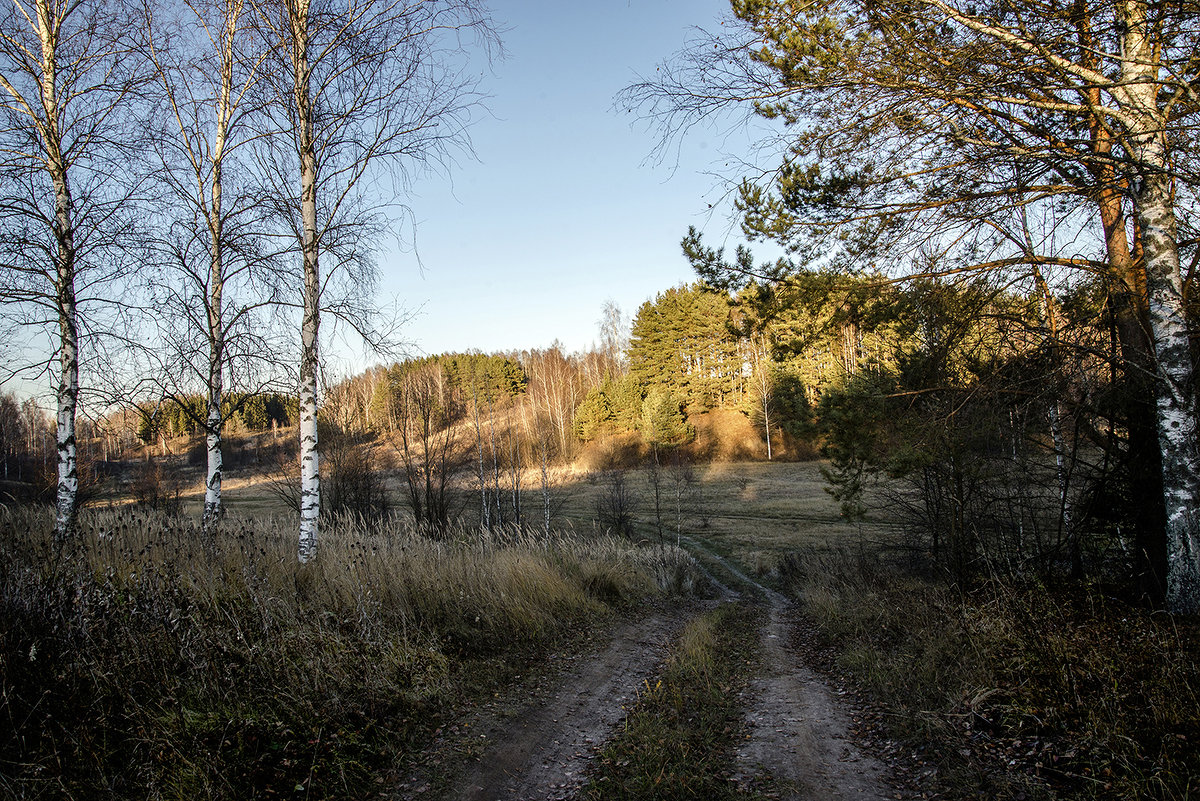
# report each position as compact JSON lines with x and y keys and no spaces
{"x":150,"y":660}
{"x":1080,"y":692}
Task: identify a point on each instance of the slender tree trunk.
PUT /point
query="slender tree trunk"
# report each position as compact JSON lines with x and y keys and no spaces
{"x":485,"y":508}
{"x":1156,"y":221}
{"x":656,"y":483}
{"x":764,"y":380}
{"x":545,"y":460}
{"x":515,"y":473}
{"x":215,"y":423}
{"x":310,"y":478}
{"x":67,"y":496}
{"x":213,"y":432}
{"x":495,"y":466}
{"x":767,"y":425}
{"x":66,"y":502}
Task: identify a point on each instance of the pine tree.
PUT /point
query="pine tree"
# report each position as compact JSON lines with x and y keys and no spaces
{"x":663,"y":420}
{"x":594,"y":416}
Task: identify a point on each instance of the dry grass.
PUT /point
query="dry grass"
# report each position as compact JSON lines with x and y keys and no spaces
{"x":153,"y":661}
{"x":1058,"y":690}
{"x":678,"y":741}
{"x":753,"y":512}
{"x":1023,"y":691}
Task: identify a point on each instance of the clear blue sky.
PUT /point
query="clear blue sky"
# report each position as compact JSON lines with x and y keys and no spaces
{"x":561,"y":210}
{"x":563,"y":206}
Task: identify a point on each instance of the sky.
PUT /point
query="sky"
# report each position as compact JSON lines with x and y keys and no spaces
{"x":565,"y":205}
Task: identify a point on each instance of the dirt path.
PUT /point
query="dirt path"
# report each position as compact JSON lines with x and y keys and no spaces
{"x":540,"y":753}
{"x":799,"y":728}
{"x":798,"y":738}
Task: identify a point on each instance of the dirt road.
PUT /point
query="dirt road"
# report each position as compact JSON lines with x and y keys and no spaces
{"x":799,"y":730}
{"x":542,"y":751}
{"x":797,"y":740}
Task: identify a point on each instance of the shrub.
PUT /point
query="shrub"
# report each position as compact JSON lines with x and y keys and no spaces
{"x":1076,"y":689}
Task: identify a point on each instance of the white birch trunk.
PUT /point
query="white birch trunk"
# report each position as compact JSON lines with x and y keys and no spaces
{"x":66,"y":498}
{"x":215,"y":423}
{"x":310,"y":478}
{"x":1168,"y":322}
{"x":1175,"y":402}
{"x":212,"y":480}
{"x":767,"y":427}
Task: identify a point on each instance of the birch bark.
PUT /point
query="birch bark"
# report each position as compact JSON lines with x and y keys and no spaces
{"x":310,"y":476}
{"x":49,"y":22}
{"x":1147,"y":128}
{"x":215,"y":422}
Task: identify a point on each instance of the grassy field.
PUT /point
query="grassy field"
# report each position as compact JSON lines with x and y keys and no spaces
{"x":1013,"y":689}
{"x":753,"y":511}
{"x":148,"y":659}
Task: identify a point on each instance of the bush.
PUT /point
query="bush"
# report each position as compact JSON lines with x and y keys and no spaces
{"x":616,"y":503}
{"x":153,"y":487}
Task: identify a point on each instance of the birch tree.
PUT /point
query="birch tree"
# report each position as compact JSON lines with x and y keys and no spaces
{"x":66,"y":82}
{"x":430,"y":449}
{"x":763,"y":394}
{"x":217,"y":288}
{"x":364,"y":93}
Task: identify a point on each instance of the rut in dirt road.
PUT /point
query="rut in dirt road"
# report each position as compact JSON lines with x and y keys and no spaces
{"x":541,"y":754}
{"x":799,"y":730}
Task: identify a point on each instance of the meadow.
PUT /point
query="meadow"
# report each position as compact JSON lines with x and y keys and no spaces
{"x":153,"y":660}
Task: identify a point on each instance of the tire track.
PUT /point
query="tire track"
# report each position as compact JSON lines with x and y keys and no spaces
{"x":541,"y":753}
{"x":798,"y":739}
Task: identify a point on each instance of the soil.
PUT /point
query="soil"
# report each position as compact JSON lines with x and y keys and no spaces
{"x":799,"y":730}
{"x":800,"y":742}
{"x":798,"y":745}
{"x":540,"y":750}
